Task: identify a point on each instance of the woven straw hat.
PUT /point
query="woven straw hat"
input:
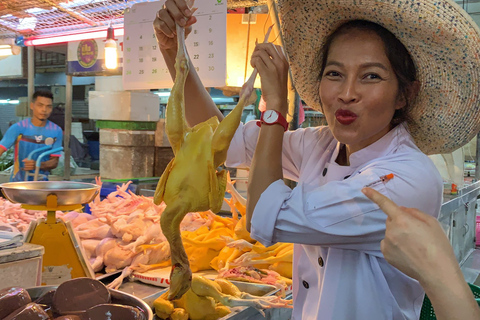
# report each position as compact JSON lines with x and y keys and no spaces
{"x":442,"y":39}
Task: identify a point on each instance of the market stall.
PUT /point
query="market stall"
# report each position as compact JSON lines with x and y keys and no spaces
{"x":116,"y":234}
{"x":106,"y":219}
{"x":121,"y":239}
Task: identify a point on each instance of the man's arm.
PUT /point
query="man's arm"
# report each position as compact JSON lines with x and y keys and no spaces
{"x":9,"y":138}
{"x":49,"y":164}
{"x":29,"y":165}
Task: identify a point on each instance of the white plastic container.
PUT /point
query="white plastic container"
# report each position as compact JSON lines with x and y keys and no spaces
{"x":21,"y":266}
{"x":123,"y":106}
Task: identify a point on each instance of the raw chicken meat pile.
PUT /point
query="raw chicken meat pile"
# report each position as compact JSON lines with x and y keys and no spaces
{"x":14,"y":215}
{"x":122,"y":231}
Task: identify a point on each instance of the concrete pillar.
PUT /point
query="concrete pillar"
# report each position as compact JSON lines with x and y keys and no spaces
{"x":31,"y":73}
{"x":68,"y":126}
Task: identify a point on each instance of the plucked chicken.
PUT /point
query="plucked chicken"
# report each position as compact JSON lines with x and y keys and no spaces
{"x":209,"y":300}
{"x":191,"y":183}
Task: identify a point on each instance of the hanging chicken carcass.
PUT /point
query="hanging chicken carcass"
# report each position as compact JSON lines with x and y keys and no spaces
{"x":191,"y":183}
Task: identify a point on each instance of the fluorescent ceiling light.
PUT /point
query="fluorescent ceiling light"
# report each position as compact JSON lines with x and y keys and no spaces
{"x":8,"y":101}
{"x":226,"y":99}
{"x":5,"y":52}
{"x":94,"y":34}
{"x":8,"y":47}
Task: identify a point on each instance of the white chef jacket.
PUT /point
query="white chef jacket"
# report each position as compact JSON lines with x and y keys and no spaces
{"x":339,"y":272}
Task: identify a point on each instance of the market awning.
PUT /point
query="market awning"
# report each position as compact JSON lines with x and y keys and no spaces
{"x":43,"y":17}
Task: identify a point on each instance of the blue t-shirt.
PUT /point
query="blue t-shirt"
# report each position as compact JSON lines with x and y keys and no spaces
{"x":26,"y":137}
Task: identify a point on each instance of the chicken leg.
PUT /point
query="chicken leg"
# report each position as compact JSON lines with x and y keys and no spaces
{"x":191,"y":183}
{"x":207,"y":288}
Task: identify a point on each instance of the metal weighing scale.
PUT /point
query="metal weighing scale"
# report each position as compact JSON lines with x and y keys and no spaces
{"x":64,"y":258}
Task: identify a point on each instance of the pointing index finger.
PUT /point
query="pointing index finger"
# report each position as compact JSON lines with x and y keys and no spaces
{"x":388,"y":206}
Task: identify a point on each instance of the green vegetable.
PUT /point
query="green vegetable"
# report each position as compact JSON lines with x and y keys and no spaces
{"x":6,"y":159}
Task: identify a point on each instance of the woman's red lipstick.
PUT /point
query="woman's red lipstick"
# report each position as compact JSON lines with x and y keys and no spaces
{"x":345,"y":117}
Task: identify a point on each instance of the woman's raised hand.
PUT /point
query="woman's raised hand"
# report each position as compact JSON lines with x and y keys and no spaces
{"x":272,"y":67}
{"x":174,"y":11}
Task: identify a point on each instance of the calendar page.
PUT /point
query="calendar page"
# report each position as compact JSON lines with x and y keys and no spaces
{"x":144,"y":67}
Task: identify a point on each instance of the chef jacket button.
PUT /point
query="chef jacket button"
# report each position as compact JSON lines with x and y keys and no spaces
{"x":305,"y":284}
{"x":324,"y":172}
{"x":346,"y":177}
{"x":320,"y":262}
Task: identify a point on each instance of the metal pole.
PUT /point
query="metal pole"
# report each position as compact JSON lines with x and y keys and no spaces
{"x":30,"y":73}
{"x":68,"y":127}
{"x":477,"y":160}
{"x":293,"y":97}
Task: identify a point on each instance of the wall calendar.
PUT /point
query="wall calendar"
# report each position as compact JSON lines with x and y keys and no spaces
{"x":143,"y":64}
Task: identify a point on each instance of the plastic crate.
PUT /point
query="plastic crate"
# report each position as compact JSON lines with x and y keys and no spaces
{"x":94,"y":149}
{"x":428,"y":313}
{"x":108,"y":188}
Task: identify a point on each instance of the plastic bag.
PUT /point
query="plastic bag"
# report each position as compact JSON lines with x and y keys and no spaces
{"x":59,"y":170}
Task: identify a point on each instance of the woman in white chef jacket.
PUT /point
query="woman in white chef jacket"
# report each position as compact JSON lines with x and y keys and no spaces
{"x":367,"y":80}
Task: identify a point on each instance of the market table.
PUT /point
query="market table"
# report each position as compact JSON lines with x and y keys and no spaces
{"x":149,"y":293}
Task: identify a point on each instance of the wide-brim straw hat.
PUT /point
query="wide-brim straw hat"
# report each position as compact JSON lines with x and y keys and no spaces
{"x":442,"y":39}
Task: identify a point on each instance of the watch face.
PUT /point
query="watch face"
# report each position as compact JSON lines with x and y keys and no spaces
{"x":270,"y":116}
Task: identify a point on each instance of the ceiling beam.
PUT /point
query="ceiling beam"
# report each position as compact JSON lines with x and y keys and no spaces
{"x":70,"y":12}
{"x":9,"y":28}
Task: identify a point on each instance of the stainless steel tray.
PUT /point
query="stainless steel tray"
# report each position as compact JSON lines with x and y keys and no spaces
{"x":36,"y":192}
{"x":256,"y":289}
{"x":117,"y":297}
{"x":238,"y":313}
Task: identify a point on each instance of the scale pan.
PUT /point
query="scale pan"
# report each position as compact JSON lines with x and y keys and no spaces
{"x":36,"y":192}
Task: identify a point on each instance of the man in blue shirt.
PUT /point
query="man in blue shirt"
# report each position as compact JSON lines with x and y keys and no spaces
{"x":31,"y":134}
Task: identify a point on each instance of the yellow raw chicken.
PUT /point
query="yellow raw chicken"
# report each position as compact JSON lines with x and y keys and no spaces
{"x":283,"y":268}
{"x":208,"y":300}
{"x":190,"y":183}
{"x":163,"y":307}
{"x":179,"y":314}
{"x":197,"y":307}
{"x":200,"y":258}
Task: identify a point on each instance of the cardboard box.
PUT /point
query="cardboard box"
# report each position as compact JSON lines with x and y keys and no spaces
{"x":21,"y":266}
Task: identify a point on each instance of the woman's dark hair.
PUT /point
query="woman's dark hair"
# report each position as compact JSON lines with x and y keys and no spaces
{"x":401,"y":61}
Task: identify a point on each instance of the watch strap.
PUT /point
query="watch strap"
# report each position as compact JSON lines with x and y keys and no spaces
{"x":280,"y":120}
